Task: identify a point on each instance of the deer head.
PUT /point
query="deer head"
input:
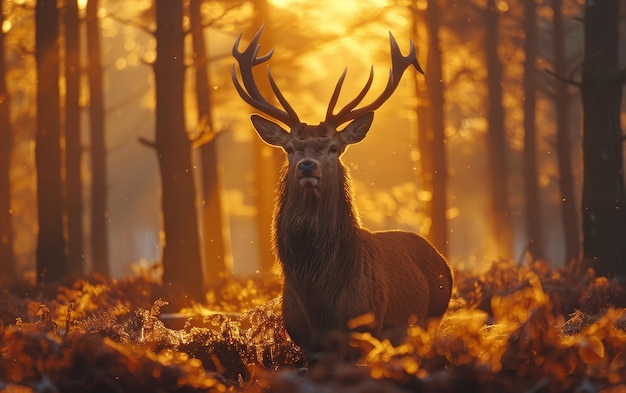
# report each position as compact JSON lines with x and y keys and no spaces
{"x":313,"y":148}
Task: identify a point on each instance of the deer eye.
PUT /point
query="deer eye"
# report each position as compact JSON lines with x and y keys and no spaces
{"x":289,"y":149}
{"x":333,"y":149}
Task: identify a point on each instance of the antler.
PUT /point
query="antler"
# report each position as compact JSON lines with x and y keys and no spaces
{"x":251,"y":94}
{"x":399,"y":64}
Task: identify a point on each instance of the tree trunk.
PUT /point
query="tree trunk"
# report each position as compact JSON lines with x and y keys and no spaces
{"x":266,"y":180}
{"x":569,"y":210}
{"x":497,"y":148}
{"x":212,"y":217}
{"x":51,"y":259}
{"x":73,"y":148}
{"x":532,"y":194}
{"x":423,"y":111}
{"x":434,"y":81}
{"x":7,"y":253}
{"x":99,"y":212}
{"x":604,"y":198}
{"x":182,"y":265}
{"x":266,"y":161}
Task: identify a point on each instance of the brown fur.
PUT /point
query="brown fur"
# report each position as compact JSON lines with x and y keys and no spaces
{"x":334,"y":269}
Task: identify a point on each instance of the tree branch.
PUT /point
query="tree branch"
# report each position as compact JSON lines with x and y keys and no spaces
{"x":231,"y":6}
{"x":463,"y":71}
{"x":205,"y":134}
{"x":204,"y":137}
{"x":558,"y":77}
{"x":147,"y":142}
{"x":130,"y":22}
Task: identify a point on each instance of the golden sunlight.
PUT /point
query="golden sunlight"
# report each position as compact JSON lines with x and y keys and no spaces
{"x":503,"y":6}
{"x":283,"y":3}
{"x":332,"y":10}
{"x":6,"y":26}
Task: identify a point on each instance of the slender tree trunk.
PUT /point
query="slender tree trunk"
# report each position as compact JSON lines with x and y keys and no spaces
{"x":73,"y":148}
{"x":497,"y":148}
{"x":569,"y":210}
{"x":182,"y":265}
{"x":532,"y":194}
{"x":99,"y":212}
{"x":266,"y":161}
{"x":423,"y":111}
{"x":51,"y":259}
{"x":434,"y":81}
{"x":212,"y":218}
{"x":266,"y":181}
{"x":7,"y":253}
{"x":604,"y":198}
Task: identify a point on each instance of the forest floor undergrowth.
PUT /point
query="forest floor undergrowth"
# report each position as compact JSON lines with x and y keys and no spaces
{"x":529,"y":328}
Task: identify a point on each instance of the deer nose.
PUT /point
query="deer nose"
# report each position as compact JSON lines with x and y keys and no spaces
{"x":308,"y":168}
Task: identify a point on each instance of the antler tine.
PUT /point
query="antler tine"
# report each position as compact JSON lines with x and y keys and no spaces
{"x":281,"y":98}
{"x":352,"y":104}
{"x":249,"y":92}
{"x":399,"y":64}
{"x":335,"y":96}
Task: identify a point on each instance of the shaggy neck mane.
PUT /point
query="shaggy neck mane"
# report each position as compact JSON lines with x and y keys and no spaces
{"x":314,"y":229}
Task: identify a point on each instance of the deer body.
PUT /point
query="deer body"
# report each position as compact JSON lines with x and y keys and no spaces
{"x":334,"y":269}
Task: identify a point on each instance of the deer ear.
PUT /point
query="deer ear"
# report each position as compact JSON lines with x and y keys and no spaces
{"x":269,"y":131}
{"x":356,"y":131}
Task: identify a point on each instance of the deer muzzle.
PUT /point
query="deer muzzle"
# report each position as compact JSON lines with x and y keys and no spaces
{"x":308,"y":172}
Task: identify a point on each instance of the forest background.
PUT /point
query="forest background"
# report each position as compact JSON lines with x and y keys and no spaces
{"x":482,"y":154}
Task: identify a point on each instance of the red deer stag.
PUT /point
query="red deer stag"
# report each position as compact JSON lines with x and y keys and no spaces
{"x":334,"y":269}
